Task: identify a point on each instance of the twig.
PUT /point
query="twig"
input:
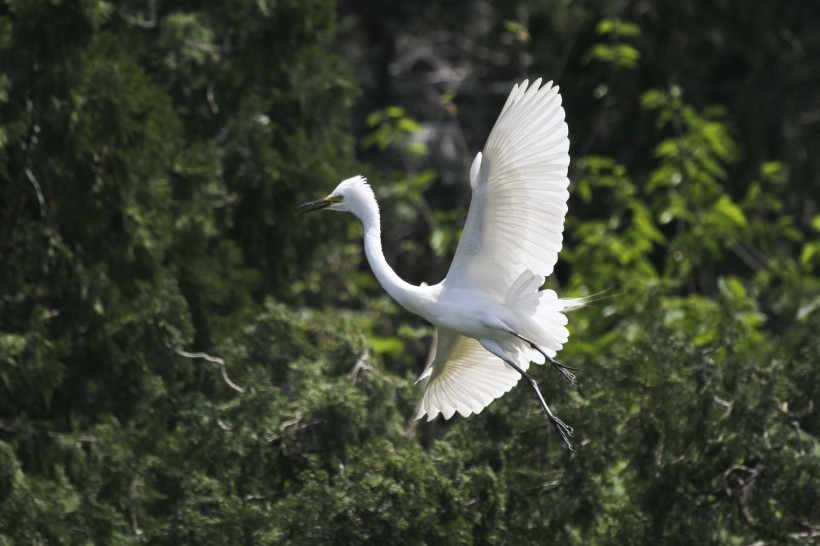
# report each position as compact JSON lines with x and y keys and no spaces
{"x":794,"y":420}
{"x":296,"y":423}
{"x":39,"y":429}
{"x":150,"y":22}
{"x":784,"y":408}
{"x":225,"y":427}
{"x":361,"y":364}
{"x":133,"y":498}
{"x":209,"y":94}
{"x":216,"y":360}
{"x":799,"y":535}
{"x":40,"y":198}
{"x":754,"y":263}
{"x":18,"y":199}
{"x":740,"y":492}
{"x":725,"y":403}
{"x":804,"y":535}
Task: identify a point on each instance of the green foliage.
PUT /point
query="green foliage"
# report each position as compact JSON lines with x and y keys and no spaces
{"x":392,"y":127}
{"x":183,"y":362}
{"x":615,"y":52}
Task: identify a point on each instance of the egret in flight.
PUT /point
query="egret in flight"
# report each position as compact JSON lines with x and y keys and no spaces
{"x":490,"y":306}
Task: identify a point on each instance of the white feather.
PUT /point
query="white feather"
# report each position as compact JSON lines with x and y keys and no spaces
{"x":519,"y":202}
{"x":509,"y":245}
{"x":471,"y":379}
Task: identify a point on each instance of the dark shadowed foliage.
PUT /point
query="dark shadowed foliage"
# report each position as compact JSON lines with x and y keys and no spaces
{"x":182,"y":361}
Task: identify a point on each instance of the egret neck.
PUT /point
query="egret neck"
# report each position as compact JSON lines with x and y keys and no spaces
{"x":407,"y":295}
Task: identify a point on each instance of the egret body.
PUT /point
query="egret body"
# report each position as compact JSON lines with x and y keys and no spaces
{"x":491,"y":317}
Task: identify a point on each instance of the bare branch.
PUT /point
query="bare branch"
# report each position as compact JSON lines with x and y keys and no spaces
{"x":225,"y":427}
{"x":740,"y":487}
{"x":216,"y":360}
{"x":784,"y":408}
{"x":133,"y":498}
{"x":361,"y":365}
{"x":209,"y":94}
{"x":805,"y":535}
{"x":754,"y":263}
{"x":40,"y":429}
{"x":296,"y":423}
{"x":40,"y":198}
{"x":729,"y":405}
{"x":205,"y":47}
{"x":150,"y":22}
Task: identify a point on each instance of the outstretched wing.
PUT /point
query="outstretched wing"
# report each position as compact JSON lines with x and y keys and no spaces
{"x":462,"y":377}
{"x":519,"y":183}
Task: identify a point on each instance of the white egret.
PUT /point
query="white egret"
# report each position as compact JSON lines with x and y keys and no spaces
{"x":490,"y":305}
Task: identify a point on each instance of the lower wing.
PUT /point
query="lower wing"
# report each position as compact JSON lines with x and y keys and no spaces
{"x":462,"y":377}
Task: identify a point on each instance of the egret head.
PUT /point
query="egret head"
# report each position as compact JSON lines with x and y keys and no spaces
{"x":352,"y":195}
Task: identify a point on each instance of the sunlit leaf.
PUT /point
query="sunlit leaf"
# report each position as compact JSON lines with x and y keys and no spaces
{"x":728,"y":209}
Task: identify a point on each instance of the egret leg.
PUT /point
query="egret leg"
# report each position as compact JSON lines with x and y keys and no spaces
{"x":565,"y":370}
{"x":563,"y":429}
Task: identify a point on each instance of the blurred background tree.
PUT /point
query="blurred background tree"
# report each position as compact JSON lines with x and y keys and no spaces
{"x":183,"y":362}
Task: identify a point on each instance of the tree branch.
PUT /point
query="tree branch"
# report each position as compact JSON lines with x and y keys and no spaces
{"x":216,"y":360}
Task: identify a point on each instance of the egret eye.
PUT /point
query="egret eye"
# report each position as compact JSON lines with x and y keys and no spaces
{"x":336,"y":198}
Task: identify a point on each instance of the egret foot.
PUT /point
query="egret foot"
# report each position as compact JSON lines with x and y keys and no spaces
{"x":565,"y":370}
{"x":563,"y":429}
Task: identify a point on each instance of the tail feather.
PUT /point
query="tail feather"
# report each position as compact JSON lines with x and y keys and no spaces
{"x":571,"y":304}
{"x":523,"y":294}
{"x":542,"y":312}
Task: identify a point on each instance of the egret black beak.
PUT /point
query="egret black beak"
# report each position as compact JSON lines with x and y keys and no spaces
{"x":310,"y":206}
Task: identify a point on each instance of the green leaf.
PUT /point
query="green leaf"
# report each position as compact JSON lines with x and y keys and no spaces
{"x":409,"y":125}
{"x":617,"y":27}
{"x":627,"y":56}
{"x":808,"y":308}
{"x":387,"y":345}
{"x":810,"y":252}
{"x":732,"y":288}
{"x":728,"y":209}
{"x":653,"y":99}
{"x":11,"y":345}
{"x":644,"y":225}
{"x":374,"y":118}
{"x":773,"y":172}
